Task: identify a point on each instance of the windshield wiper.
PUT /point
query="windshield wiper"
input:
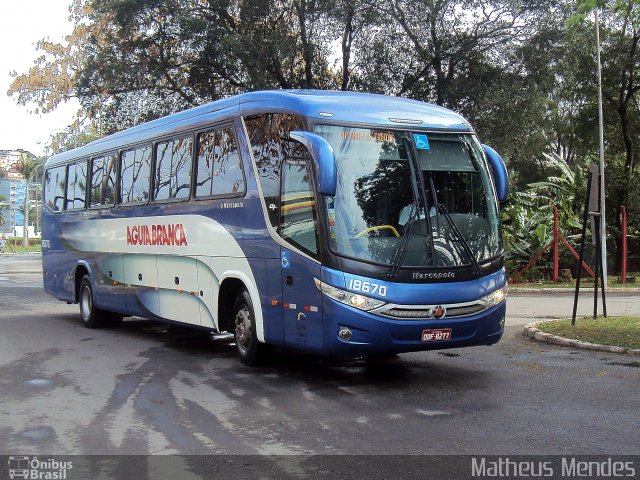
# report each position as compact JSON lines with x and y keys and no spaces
{"x":398,"y":256}
{"x":463,"y":241}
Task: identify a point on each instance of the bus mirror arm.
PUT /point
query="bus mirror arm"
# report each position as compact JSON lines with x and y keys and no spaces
{"x":499,"y":171}
{"x":324,"y":160}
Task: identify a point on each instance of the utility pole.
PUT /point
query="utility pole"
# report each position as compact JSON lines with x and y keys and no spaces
{"x":12,"y":212}
{"x":10,"y":207}
{"x":25,"y":236}
{"x":37,"y":194}
{"x":37,"y":217}
{"x":603,"y":218}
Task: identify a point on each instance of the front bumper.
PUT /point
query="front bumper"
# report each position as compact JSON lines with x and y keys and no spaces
{"x":373,"y":334}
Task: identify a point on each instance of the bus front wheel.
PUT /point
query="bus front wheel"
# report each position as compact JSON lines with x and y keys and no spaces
{"x":250,"y":350}
{"x":92,"y":316}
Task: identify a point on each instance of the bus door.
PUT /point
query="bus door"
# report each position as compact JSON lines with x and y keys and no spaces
{"x":302,"y":301}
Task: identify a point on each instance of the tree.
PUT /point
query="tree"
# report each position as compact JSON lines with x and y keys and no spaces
{"x":544,"y":103}
{"x":131,"y":61}
{"x":54,"y":76}
{"x":77,"y":134}
{"x":446,"y":41}
{"x":621,"y":62}
{"x":348,"y":22}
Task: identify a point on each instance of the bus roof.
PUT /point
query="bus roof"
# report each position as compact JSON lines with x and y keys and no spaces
{"x":321,"y":105}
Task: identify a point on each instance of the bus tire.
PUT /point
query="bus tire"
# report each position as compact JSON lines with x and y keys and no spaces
{"x":249,"y":348}
{"x":92,"y":316}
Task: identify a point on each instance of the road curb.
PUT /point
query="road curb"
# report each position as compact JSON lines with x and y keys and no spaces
{"x":19,"y":272}
{"x":532,"y":332}
{"x":547,"y":290}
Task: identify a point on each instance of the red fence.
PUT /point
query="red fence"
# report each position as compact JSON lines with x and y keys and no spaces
{"x":555,"y":243}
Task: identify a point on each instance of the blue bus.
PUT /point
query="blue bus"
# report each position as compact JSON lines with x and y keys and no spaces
{"x":345,"y":224}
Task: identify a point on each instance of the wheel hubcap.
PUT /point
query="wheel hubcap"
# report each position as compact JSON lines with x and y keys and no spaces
{"x":243,"y":328}
{"x":85,"y":303}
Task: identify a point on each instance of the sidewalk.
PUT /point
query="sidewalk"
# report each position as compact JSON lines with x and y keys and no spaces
{"x":20,"y":263}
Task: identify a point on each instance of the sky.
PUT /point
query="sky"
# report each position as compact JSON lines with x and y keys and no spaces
{"x":22,"y":24}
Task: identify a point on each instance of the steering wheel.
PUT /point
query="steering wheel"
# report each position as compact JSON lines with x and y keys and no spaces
{"x":379,"y":227}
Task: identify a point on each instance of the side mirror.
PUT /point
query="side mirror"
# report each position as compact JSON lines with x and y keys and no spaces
{"x":499,"y":170}
{"x":324,"y":159}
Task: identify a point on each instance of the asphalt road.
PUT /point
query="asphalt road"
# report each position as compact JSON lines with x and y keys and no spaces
{"x":148,"y":388}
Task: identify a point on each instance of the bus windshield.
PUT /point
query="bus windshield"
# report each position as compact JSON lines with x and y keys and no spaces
{"x":411,"y":199}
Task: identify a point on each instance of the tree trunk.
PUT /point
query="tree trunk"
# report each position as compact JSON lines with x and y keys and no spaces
{"x":347,"y":40}
{"x":437,"y":63}
{"x":307,"y":47}
{"x":626,"y":137}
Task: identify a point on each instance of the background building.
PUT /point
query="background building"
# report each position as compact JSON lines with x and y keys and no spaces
{"x":9,"y":160}
{"x":13,"y":191}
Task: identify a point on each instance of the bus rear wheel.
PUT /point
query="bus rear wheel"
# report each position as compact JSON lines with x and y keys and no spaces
{"x":92,"y":316}
{"x":249,"y":348}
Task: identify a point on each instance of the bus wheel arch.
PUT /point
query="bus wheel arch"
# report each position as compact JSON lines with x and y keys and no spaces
{"x":239,"y":313}
{"x":239,"y":280}
{"x":230,"y":288}
{"x":80,"y":273}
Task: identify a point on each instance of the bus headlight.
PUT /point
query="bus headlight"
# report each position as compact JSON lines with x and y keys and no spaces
{"x":355,"y":300}
{"x":496,"y":297}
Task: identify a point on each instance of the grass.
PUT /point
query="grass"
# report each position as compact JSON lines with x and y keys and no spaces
{"x":620,"y":331}
{"x":585,"y":283}
{"x":20,"y":249}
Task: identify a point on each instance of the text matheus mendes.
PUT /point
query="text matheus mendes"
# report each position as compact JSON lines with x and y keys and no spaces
{"x":564,"y":467}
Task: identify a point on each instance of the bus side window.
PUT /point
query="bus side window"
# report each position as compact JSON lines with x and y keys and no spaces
{"x":97,"y":174}
{"x":172,"y":176}
{"x":219,"y":169}
{"x":76,"y":186}
{"x":270,"y":144}
{"x":298,"y":210}
{"x":108,"y":194}
{"x":103,"y":180}
{"x":54,"y":188}
{"x":135,"y":168}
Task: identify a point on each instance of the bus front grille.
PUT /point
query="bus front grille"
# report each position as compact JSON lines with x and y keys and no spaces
{"x":424,"y":312}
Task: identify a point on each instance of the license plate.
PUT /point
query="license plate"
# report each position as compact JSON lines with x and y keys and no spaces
{"x":436,"y":334}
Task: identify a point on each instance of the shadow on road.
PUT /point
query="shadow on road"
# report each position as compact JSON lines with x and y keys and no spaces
{"x":192,"y":346}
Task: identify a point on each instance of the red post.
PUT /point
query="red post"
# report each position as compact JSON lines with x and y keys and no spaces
{"x":556,"y":260}
{"x":623,"y":221}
